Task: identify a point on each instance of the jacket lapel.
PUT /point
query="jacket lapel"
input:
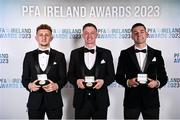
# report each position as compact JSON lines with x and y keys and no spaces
{"x":97,"y":61}
{"x":51,"y":60}
{"x":36,"y":62}
{"x":134,"y":58}
{"x":149,"y":58}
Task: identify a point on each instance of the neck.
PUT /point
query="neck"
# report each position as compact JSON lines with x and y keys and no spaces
{"x":140,"y":45}
{"x":90,"y":45}
{"x":44,"y":47}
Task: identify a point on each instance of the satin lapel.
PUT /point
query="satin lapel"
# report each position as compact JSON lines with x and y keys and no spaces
{"x":133,"y":57}
{"x":97,"y":61}
{"x":149,"y":58}
{"x":36,"y":62}
{"x":51,"y":60}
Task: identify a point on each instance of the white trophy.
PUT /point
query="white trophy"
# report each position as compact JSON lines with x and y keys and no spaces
{"x":42,"y":79}
{"x":142,"y":78}
{"x":89,"y":81}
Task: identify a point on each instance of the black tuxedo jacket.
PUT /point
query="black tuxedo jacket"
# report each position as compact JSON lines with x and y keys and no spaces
{"x":57,"y":73}
{"x":128,"y":68}
{"x":103,"y":71}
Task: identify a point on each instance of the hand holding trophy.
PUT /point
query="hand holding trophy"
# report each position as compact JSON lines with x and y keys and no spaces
{"x":89,"y":81}
{"x":42,"y":80}
{"x":142,"y":78}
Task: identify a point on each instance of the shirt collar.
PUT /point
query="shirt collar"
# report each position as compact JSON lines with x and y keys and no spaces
{"x":140,"y":48}
{"x":44,"y":49}
{"x":91,"y":48}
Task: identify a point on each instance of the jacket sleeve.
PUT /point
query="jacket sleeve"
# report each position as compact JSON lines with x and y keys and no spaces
{"x":109,"y":74}
{"x":121,"y":70}
{"x":161,"y":72}
{"x":62,"y":72}
{"x":26,"y":76}
{"x":72,"y":69}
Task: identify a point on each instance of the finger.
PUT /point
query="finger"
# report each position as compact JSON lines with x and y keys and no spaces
{"x":150,"y":79}
{"x":45,"y":86}
{"x":133,"y":85}
{"x":35,"y":81}
{"x":96,"y":86}
{"x":50,"y":81}
{"x":81,"y":87}
{"x":150,"y":85}
{"x":47,"y":90}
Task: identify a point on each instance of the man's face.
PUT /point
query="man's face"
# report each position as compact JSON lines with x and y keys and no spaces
{"x":44,"y":37}
{"x":139,"y":35}
{"x":90,"y":35}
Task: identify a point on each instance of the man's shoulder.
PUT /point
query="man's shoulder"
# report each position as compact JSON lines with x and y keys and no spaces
{"x":103,"y":49}
{"x":57,"y":52}
{"x":128,"y":49}
{"x":31,"y":52}
{"x":77,"y":50}
{"x":154,"y":50}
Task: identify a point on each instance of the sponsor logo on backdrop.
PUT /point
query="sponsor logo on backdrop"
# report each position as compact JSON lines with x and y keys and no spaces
{"x":16,"y":83}
{"x":173,"y":83}
{"x":118,"y":33}
{"x":104,"y":33}
{"x":67,"y":33}
{"x":10,"y":83}
{"x":164,"y":33}
{"x":21,"y":33}
{"x":4,"y":58}
{"x":177,"y":57}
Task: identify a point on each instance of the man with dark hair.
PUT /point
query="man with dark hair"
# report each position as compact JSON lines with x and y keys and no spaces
{"x":44,"y":75}
{"x":141,"y":71}
{"x":91,"y":70}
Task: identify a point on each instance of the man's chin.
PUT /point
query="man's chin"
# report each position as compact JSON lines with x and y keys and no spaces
{"x":44,"y":45}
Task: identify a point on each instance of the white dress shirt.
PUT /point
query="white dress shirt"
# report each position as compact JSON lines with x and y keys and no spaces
{"x":141,"y":57}
{"x":43,"y":59}
{"x":90,"y":58}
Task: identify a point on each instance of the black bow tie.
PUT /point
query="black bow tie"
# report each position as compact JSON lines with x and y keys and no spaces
{"x":44,"y":51}
{"x":143,"y":50}
{"x":89,"y":50}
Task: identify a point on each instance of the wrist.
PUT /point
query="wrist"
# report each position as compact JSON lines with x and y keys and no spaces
{"x":128,"y":83}
{"x":30,"y":86}
{"x":56,"y":87}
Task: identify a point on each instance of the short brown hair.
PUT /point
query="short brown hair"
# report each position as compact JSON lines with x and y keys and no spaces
{"x":89,"y":25}
{"x":44,"y":26}
{"x":138,"y":24}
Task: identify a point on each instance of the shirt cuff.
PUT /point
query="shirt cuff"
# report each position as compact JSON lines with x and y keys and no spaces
{"x":128,"y":84}
{"x":158,"y":84}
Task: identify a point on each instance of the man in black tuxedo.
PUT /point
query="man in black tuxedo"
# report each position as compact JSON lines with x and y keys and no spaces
{"x":91,"y":70}
{"x":44,"y":74}
{"x":141,"y":71}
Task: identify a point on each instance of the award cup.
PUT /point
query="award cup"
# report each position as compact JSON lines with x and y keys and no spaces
{"x":142,"y":78}
{"x":89,"y":81}
{"x":42,"y":80}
